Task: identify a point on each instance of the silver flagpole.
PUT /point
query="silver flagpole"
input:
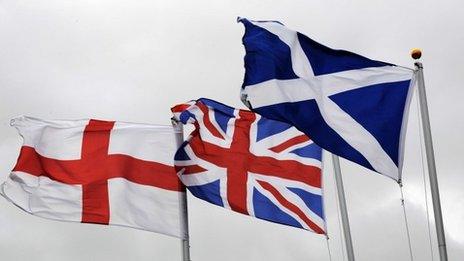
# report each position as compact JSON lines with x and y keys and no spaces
{"x":185,"y":242}
{"x":343,"y":211}
{"x":416,"y":54}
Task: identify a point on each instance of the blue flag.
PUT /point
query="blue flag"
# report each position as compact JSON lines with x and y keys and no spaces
{"x":348,"y":104}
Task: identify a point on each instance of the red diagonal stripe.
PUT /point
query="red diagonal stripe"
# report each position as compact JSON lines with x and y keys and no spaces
{"x":291,"y":142}
{"x":191,"y":169}
{"x":292,"y":207}
{"x":180,"y":107}
{"x":207,"y":121}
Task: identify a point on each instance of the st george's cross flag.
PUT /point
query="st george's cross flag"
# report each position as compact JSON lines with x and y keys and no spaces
{"x":239,"y":160}
{"x":349,"y":105}
{"x":102,"y":172}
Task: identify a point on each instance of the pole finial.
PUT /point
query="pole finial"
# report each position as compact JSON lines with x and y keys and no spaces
{"x":416,"y":53}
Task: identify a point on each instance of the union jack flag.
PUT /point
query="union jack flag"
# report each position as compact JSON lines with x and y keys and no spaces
{"x":259,"y":167}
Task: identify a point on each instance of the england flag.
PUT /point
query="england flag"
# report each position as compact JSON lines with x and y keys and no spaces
{"x":349,"y":105}
{"x":102,"y":172}
{"x":252,"y":165}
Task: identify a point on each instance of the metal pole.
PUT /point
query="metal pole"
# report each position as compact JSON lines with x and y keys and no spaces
{"x":343,"y":211}
{"x":431,"y":162}
{"x":185,"y":242}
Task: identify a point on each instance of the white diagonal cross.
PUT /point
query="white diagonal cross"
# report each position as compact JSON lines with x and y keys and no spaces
{"x":320,"y":88}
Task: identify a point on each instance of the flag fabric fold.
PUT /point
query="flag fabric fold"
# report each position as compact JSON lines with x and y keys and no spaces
{"x":101,"y":172}
{"x":350,"y":105}
{"x":239,"y":160}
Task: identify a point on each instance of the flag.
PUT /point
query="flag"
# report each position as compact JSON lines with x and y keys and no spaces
{"x":239,"y":160}
{"x":349,"y":105}
{"x":102,"y":172}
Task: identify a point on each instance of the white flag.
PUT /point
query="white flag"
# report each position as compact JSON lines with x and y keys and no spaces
{"x":102,"y":172}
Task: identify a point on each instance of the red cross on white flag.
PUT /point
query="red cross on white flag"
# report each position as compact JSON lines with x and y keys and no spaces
{"x":100,"y":172}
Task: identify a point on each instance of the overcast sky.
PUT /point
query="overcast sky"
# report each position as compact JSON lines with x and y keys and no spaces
{"x":133,"y":60}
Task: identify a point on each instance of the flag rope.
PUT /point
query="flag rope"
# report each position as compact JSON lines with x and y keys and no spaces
{"x":406,"y":222}
{"x":328,"y":248}
{"x":423,"y":175}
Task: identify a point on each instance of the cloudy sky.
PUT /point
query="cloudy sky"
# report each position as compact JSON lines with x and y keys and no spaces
{"x":131,"y":60}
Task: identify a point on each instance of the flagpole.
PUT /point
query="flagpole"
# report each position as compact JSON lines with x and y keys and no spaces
{"x":185,"y":242}
{"x":416,"y":54}
{"x":343,"y":211}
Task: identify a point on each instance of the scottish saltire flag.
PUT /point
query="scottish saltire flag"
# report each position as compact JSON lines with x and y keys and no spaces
{"x":259,"y":167}
{"x":349,"y":105}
